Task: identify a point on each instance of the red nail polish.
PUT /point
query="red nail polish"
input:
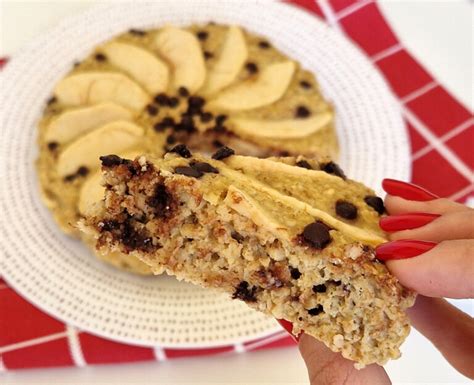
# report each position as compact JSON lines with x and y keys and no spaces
{"x":288,"y":326}
{"x":402,"y":249}
{"x":407,"y":191}
{"x":406,"y":221}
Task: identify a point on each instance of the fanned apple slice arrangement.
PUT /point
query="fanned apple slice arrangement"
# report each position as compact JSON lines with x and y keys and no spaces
{"x":146,"y":91}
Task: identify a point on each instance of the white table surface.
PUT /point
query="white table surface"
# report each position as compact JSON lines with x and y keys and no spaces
{"x":440,"y":32}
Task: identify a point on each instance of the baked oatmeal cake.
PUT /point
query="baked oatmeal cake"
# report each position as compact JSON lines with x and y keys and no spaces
{"x":146,"y":90}
{"x":292,"y":237}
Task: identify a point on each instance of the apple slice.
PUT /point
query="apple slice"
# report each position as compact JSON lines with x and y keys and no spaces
{"x":142,"y":65}
{"x":182,"y":50}
{"x":267,"y":88}
{"x":230,"y":61}
{"x":79,"y":121}
{"x":96,"y":87}
{"x":85,"y":151}
{"x":281,"y":129}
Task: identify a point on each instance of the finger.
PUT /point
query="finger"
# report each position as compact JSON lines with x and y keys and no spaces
{"x":452,"y":225}
{"x":326,"y":367}
{"x":448,"y":328}
{"x":444,"y":271}
{"x":396,"y":205}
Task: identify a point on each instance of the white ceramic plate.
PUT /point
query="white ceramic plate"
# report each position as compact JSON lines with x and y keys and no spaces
{"x":60,"y":276}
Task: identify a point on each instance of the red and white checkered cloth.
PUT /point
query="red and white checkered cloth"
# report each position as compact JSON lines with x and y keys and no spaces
{"x":442,"y":142}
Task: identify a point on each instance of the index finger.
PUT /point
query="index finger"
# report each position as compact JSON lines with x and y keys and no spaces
{"x":396,"y":205}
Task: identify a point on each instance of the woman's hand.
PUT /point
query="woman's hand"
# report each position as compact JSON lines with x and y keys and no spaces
{"x":432,"y":252}
{"x":445,"y":270}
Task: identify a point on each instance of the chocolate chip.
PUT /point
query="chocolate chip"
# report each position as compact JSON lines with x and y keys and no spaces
{"x":170,"y":139}
{"x":376,"y":203}
{"x":173,"y":102}
{"x":100,"y":57}
{"x":133,"y":167}
{"x":168,"y":122}
{"x":137,"y":32}
{"x":205,"y":167}
{"x":183,"y":91}
{"x":53,"y":146}
{"x":319,"y":288}
{"x":51,"y":100}
{"x":186,"y":118}
{"x":251,"y":67}
{"x":70,"y":178}
{"x":222,"y":153}
{"x":110,"y":160}
{"x":206,"y":117}
{"x":317,"y":234}
{"x":283,"y":153}
{"x":160,"y":200}
{"x":295,"y":273}
{"x":161,"y":99}
{"x":333,"y":168}
{"x":188,"y":171}
{"x":165,"y":123}
{"x":335,"y":283}
{"x":196,"y":102}
{"x":304,"y":164}
{"x":83,"y":171}
{"x":245,"y":292}
{"x":238,"y":237}
{"x":181,"y":150}
{"x":152,"y":110}
{"x":134,"y":239}
{"x":302,"y":112}
{"x":159,"y":127}
{"x":218,"y":128}
{"x":192,"y":111}
{"x":346,"y":209}
{"x":220,"y":119}
{"x":186,"y":123}
{"x":202,"y":35}
{"x":217,"y":143}
{"x":305,"y":84}
{"x":264,"y":44}
{"x":208,"y":55}
{"x":316,"y":310}
{"x":76,"y":64}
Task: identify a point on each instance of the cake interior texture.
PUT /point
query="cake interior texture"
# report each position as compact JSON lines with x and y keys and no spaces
{"x":292,"y":237}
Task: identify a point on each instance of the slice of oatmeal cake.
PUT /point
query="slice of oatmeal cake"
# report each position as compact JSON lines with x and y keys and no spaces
{"x":292,"y":237}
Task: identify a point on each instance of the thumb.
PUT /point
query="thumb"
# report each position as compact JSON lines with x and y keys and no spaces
{"x":327,"y":368}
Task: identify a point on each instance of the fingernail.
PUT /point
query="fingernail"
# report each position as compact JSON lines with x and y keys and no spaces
{"x":407,"y":191}
{"x":406,"y":221}
{"x":402,"y":249}
{"x":288,"y":326}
